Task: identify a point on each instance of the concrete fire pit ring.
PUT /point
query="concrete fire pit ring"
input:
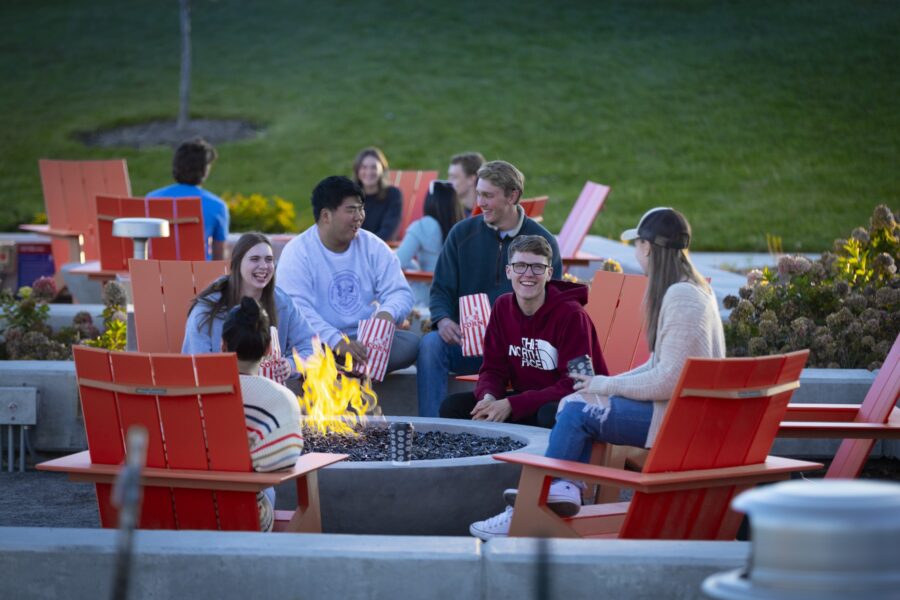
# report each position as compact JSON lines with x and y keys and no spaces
{"x":426,"y":497}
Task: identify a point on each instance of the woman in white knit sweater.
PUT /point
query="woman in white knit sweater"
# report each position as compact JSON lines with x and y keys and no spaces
{"x":683,"y":321}
{"x":271,"y":411}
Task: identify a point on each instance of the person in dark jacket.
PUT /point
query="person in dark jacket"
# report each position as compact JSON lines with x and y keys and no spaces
{"x":473,"y":261}
{"x":531,"y":336}
{"x":383,"y":202}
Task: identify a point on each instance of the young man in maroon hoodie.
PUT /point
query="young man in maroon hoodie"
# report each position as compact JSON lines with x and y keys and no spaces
{"x":532,"y":334}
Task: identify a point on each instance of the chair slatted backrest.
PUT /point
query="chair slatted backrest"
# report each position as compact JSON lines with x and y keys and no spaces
{"x":192,"y":409}
{"x":414,"y":187}
{"x":615,"y":305}
{"x":533,"y":207}
{"x":69,"y":191}
{"x":876,"y":407}
{"x":580,"y":219}
{"x":185,"y":217}
{"x":163,"y":291}
{"x":723,"y":413}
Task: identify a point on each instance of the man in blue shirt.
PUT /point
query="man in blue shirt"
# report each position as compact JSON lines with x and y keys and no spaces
{"x":190,"y":168}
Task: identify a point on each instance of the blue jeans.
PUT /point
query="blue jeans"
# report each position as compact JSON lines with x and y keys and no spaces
{"x":436,"y":360}
{"x":624,"y":422}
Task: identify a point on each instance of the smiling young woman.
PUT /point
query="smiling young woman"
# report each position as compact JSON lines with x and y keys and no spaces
{"x":252,"y":274}
{"x":383,"y":202}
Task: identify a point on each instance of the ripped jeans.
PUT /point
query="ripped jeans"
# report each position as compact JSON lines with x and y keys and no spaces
{"x":622,"y":421}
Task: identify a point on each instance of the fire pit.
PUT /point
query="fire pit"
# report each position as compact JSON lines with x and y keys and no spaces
{"x":425,"y":497}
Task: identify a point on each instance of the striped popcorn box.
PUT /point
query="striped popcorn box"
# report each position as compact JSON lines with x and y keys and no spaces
{"x":376,"y":335}
{"x":474,"y":313}
{"x":267,"y":366}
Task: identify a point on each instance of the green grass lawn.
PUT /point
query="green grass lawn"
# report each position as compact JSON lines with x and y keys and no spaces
{"x":751,"y":117}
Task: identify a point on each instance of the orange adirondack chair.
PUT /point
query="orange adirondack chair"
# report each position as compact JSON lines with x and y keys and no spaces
{"x":69,"y":191}
{"x":533,"y":207}
{"x":861,"y":424}
{"x":199,"y":475}
{"x":717,"y":431}
{"x":414,"y":185}
{"x":185,"y":217}
{"x":615,"y":306}
{"x":579,"y":222}
{"x":163,"y":290}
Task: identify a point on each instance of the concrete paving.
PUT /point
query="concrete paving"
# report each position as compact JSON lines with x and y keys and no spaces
{"x":720,"y":267}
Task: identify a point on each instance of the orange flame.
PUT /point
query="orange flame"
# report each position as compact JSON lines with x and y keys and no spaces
{"x":332,"y":402}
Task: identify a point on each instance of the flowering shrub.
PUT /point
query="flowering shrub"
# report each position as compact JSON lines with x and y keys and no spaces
{"x":844,"y":307}
{"x":259,"y":213}
{"x":114,"y":319}
{"x":611,"y":264}
{"x":28,"y":336}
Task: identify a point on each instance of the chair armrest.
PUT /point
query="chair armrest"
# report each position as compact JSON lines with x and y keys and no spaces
{"x":418,"y":275}
{"x":52,"y":232}
{"x":473,"y":377}
{"x":80,"y":468}
{"x":821,"y":412}
{"x":577,"y":261}
{"x":877,"y":431}
{"x":774,"y":468}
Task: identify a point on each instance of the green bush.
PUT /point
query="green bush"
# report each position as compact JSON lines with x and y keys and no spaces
{"x":259,"y":213}
{"x":114,"y":334}
{"x":844,"y":307}
{"x":27,"y":336}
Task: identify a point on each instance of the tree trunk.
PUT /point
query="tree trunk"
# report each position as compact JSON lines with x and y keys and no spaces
{"x":184,"y":96}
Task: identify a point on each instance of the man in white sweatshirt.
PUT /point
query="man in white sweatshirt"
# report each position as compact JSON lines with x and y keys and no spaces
{"x":338,"y":274}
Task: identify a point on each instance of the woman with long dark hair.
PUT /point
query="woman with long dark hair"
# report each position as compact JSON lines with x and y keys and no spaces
{"x":271,"y":411}
{"x":252,"y":275}
{"x":683,"y":320}
{"x":383,"y":202}
{"x":424,"y":238}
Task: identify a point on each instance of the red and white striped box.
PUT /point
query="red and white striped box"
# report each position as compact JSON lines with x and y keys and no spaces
{"x":377,"y":335}
{"x":474,"y":314}
{"x":270,"y":361}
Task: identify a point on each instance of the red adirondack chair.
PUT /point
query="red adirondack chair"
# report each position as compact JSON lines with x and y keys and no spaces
{"x":615,"y":305}
{"x":861,"y":424}
{"x":186,"y":239}
{"x":579,"y":222}
{"x":712,"y":445}
{"x":69,"y":190}
{"x":164,"y":290}
{"x":185,"y":217}
{"x":199,"y":473}
{"x":414,"y":186}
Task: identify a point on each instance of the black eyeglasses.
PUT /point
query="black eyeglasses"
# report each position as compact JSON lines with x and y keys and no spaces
{"x":536,"y":268}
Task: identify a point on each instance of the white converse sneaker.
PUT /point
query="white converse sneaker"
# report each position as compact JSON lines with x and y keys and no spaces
{"x":564,"y":498}
{"x":496,"y":526}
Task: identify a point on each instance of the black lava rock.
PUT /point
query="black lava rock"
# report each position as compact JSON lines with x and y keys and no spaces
{"x":373,"y":443}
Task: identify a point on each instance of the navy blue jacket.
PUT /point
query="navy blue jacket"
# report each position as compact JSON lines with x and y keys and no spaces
{"x":474,"y":261}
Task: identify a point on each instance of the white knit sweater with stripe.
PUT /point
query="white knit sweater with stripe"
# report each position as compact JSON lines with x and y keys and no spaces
{"x":272,"y":417}
{"x":689,"y":326}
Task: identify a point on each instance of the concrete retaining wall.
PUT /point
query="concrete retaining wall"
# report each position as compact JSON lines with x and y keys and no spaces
{"x":78,"y":563}
{"x":59,"y":425}
{"x":60,"y":429}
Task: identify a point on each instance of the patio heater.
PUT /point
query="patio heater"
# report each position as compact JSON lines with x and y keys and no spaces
{"x":140,"y":229}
